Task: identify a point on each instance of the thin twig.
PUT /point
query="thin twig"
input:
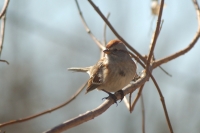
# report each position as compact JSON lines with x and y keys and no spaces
{"x":163,"y":103}
{"x":4,"y":61}
{"x":103,"y":107}
{"x":149,"y":61}
{"x":143,"y":114}
{"x":153,"y":54}
{"x":136,"y":98}
{"x":45,"y":112}
{"x":155,"y":35}
{"x":87,"y":28}
{"x":165,"y":71}
{"x":104,"y":30}
{"x":3,"y":11}
{"x":188,"y":48}
{"x":126,"y":102}
{"x":3,"y":19}
{"x":104,"y":36}
{"x":115,"y":32}
{"x":196,"y":5}
{"x":137,"y":59}
{"x":89,"y":115}
{"x":130,"y":96}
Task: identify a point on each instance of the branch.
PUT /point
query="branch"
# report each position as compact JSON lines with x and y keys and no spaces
{"x":143,"y":114}
{"x":137,"y":59}
{"x":87,"y":28}
{"x":163,"y":103}
{"x":3,"y":11}
{"x":155,"y":35}
{"x":128,"y":89}
{"x":188,"y":48}
{"x":104,"y":30}
{"x":3,"y":19}
{"x":4,"y":61}
{"x":136,"y":99}
{"x":89,"y":115}
{"x":45,"y":112}
{"x":104,"y":36}
{"x":115,"y":32}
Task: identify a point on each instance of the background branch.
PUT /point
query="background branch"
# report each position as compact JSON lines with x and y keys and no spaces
{"x":188,"y":48}
{"x":155,"y":35}
{"x":27,"y":72}
{"x":104,"y":30}
{"x":89,"y":115}
{"x":104,"y":36}
{"x":143,"y":114}
{"x":45,"y":112}
{"x":115,"y":32}
{"x":87,"y":28}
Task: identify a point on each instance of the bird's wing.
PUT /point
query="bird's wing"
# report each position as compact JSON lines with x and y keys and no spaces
{"x":95,"y":78}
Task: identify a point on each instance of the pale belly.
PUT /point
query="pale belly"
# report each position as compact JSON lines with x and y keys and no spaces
{"x":117,"y":82}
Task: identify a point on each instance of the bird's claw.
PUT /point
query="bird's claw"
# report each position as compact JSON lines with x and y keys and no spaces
{"x":112,"y":96}
{"x":121,"y":93}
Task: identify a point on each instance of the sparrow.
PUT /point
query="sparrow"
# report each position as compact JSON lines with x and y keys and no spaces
{"x":112,"y":72}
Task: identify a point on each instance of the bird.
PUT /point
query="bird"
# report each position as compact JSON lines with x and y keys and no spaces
{"x":112,"y":72}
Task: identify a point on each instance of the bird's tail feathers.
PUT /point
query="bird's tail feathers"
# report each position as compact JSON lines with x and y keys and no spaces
{"x":79,"y":69}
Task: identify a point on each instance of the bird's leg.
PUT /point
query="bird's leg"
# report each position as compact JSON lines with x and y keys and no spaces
{"x":121,"y":93}
{"x":110,"y":95}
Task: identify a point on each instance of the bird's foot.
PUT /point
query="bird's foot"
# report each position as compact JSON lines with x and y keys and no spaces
{"x":121,"y":93}
{"x":112,"y":96}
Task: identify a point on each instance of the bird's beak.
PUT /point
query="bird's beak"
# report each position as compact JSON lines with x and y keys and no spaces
{"x":107,"y":51}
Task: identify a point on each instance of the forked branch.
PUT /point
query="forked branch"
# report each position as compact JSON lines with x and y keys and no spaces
{"x":155,"y":35}
{"x":188,"y":48}
{"x":115,"y":32}
{"x":89,"y":115}
{"x":131,"y":87}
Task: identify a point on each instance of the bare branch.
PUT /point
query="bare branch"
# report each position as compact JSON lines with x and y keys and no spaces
{"x":165,"y":71}
{"x":155,"y":35}
{"x":4,"y":61}
{"x":128,"y":89}
{"x":137,"y":59}
{"x":3,"y":11}
{"x":87,"y":28}
{"x":89,"y":115}
{"x":143,"y":114}
{"x":150,"y":57}
{"x":163,"y":103}
{"x":45,"y":112}
{"x":188,"y":48}
{"x":153,"y":58}
{"x":3,"y":19}
{"x":104,"y":36}
{"x":104,"y":30}
{"x":136,"y":99}
{"x":115,"y":32}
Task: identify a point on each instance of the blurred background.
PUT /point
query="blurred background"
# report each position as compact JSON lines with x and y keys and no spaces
{"x":44,"y":38}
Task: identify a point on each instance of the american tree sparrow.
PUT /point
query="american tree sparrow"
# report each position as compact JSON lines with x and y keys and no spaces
{"x":112,"y":72}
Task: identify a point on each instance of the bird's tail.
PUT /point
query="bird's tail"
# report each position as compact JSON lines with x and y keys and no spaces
{"x":79,"y":69}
